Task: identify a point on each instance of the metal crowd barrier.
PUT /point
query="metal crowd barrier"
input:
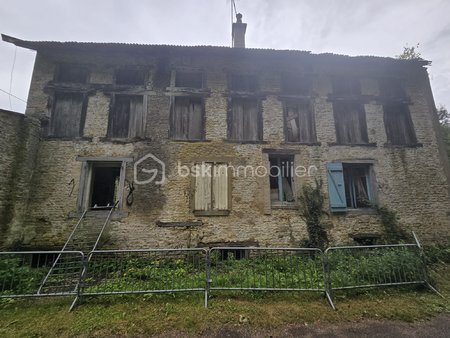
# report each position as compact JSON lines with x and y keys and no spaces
{"x":40,"y":273}
{"x":112,"y":272}
{"x":266,"y":269}
{"x":353,"y":267}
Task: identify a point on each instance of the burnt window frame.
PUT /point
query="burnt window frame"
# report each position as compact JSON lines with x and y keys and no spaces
{"x":138,"y":134}
{"x":61,"y":86}
{"x":54,"y":115}
{"x":177,"y":93}
{"x":394,"y":101}
{"x":131,"y":91}
{"x":81,"y":69}
{"x":340,"y":108}
{"x":347,"y":97}
{"x":249,"y":94}
{"x":172,"y":118}
{"x":287,"y":102}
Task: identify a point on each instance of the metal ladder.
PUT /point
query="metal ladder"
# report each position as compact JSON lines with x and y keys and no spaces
{"x":64,"y":275}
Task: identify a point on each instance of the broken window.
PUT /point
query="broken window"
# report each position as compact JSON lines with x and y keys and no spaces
{"x":398,"y":124}
{"x":245,"y":121}
{"x":243,"y":83}
{"x":296,"y":85}
{"x":72,"y":73}
{"x":105,"y":183}
{"x":212,"y":190}
{"x":126,"y":118}
{"x":350,"y":186}
{"x":130,"y":76}
{"x":101,"y":183}
{"x":187,"y":118}
{"x":397,"y":117}
{"x":67,"y":118}
{"x":299,"y":122}
{"x":350,"y":122}
{"x":189,"y":79}
{"x":281,"y":179}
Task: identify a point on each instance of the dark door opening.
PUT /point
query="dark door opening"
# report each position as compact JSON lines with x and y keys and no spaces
{"x":105,"y":185}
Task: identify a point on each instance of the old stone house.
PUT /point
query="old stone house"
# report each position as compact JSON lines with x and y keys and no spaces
{"x":101,"y":116}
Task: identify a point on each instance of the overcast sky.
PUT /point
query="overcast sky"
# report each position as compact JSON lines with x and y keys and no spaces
{"x":353,"y":27}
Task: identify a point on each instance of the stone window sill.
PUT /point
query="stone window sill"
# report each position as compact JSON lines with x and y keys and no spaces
{"x":116,"y":215}
{"x":412,"y":145}
{"x":181,"y":224}
{"x":212,"y":213}
{"x":284,"y":205}
{"x":333,"y":144}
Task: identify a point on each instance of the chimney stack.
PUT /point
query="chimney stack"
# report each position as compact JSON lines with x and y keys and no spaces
{"x":238,"y":32}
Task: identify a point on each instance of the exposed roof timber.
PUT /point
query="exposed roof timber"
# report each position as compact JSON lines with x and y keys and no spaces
{"x":96,"y":46}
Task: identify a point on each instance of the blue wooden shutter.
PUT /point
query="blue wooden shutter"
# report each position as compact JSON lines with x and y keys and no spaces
{"x":336,"y":187}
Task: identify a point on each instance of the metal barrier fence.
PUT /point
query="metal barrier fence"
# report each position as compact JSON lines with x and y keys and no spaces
{"x":145,"y":271}
{"x":353,"y":267}
{"x":111,"y":272}
{"x":266,"y":269}
{"x":36,"y":273}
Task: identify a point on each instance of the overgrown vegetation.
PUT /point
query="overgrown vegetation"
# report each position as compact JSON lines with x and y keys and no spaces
{"x":18,"y":278}
{"x":184,"y":315}
{"x":375,"y":266}
{"x":312,"y":209}
{"x":392,"y":231}
{"x":410,"y":53}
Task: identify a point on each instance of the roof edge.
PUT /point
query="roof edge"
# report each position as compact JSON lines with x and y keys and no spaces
{"x":37,"y":45}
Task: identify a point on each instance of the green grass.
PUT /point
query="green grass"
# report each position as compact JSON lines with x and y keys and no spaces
{"x":153,"y":314}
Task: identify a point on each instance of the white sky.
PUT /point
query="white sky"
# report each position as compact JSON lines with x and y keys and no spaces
{"x":353,"y":27}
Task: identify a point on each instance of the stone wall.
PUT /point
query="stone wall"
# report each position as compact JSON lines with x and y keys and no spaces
{"x":18,"y":143}
{"x":409,"y":180}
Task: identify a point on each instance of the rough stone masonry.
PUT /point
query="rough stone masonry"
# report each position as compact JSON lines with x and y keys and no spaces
{"x":96,"y":109}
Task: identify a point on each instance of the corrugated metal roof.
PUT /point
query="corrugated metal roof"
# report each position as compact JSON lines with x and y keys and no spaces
{"x":120,"y":46}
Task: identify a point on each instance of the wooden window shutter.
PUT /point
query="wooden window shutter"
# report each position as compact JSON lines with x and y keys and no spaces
{"x":195,"y":111}
{"x":119,"y":117}
{"x":336,"y":187}
{"x":203,"y":187}
{"x":237,"y":117}
{"x":220,"y":187}
{"x":250,"y":121}
{"x":66,"y":116}
{"x":136,"y":123}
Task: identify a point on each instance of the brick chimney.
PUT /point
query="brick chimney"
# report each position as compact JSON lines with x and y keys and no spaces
{"x":238,"y":32}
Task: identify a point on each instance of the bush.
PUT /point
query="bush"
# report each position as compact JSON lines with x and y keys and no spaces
{"x":18,"y":278}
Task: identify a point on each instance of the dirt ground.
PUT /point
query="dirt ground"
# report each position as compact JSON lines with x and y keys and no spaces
{"x":437,"y":327}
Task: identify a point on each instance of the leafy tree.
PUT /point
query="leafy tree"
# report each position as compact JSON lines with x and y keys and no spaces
{"x":410,"y":53}
{"x":444,"y":116}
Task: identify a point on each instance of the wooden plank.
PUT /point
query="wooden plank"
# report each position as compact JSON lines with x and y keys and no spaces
{"x":66,"y":115}
{"x":220,"y":187}
{"x":136,"y":123}
{"x":250,"y":120}
{"x":203,"y":187}
{"x":195,"y":127}
{"x":237,"y":116}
